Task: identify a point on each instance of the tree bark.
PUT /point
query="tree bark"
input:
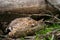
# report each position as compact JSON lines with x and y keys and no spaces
{"x":22,"y":6}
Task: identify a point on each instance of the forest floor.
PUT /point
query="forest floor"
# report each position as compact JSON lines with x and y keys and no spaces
{"x":51,"y":31}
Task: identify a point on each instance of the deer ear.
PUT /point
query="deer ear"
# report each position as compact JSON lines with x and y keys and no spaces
{"x":40,"y":20}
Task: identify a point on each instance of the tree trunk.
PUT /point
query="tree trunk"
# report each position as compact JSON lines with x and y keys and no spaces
{"x":22,"y":6}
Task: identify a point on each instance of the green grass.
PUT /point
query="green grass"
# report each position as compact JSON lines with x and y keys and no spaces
{"x":46,"y":30}
{"x":22,"y":38}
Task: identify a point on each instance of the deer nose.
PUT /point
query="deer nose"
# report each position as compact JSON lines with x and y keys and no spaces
{"x":6,"y":31}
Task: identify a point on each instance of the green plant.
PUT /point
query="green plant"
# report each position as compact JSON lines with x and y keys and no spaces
{"x":46,"y":30}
